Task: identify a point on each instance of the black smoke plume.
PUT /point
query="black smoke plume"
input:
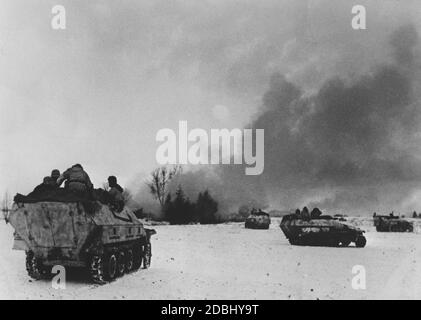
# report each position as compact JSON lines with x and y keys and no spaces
{"x":349,"y":147}
{"x":348,"y":141}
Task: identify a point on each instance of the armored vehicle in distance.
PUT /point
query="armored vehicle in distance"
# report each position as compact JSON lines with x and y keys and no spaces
{"x":258,"y":219}
{"x":320,"y":231}
{"x":392,"y":223}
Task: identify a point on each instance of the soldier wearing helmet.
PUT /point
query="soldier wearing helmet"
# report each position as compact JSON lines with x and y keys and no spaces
{"x":55,"y":174}
{"x":305,"y":214}
{"x":115,"y":193}
{"x":47,"y":184}
{"x":77,"y":180}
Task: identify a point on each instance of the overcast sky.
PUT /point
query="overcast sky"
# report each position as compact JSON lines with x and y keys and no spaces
{"x":97,"y":92}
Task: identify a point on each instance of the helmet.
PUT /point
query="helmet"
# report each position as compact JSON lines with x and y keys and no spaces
{"x":112,"y":180}
{"x":55,"y":174}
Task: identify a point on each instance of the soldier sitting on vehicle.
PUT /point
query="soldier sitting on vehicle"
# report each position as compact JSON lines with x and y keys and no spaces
{"x":115,"y":193}
{"x":258,"y":212}
{"x":77,"y":180}
{"x":55,"y":174}
{"x":305,"y":214}
{"x":47,"y":185}
{"x":315,"y":213}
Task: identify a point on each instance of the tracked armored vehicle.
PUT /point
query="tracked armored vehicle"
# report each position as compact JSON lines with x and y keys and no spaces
{"x":321,"y":231}
{"x":74,"y":234}
{"x":257,"y":220}
{"x":392,"y":223}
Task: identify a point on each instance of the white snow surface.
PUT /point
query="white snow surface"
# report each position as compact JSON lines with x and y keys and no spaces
{"x":227,"y":261}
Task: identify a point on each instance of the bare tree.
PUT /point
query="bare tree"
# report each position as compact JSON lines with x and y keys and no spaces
{"x":160,"y":179}
{"x":5,"y":208}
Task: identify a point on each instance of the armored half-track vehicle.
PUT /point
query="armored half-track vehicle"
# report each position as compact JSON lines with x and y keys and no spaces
{"x":320,"y":231}
{"x":257,"y":220}
{"x":392,"y":223}
{"x":73,"y":234}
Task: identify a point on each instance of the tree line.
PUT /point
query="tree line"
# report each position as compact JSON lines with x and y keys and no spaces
{"x":178,"y":208}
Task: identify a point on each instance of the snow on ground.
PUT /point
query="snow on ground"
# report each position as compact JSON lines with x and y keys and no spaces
{"x":227,"y":261}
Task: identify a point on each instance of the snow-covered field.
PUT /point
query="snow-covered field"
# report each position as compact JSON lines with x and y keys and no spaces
{"x":227,"y":261}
